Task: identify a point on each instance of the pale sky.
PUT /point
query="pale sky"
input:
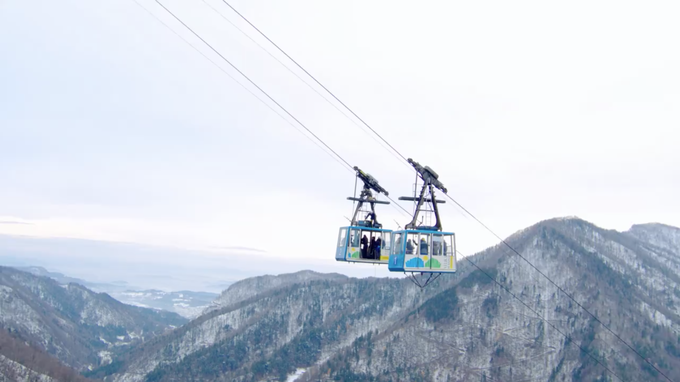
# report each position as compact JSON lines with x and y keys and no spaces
{"x":112,"y":128}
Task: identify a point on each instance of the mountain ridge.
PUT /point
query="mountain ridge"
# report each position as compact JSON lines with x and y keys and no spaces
{"x":463,"y":327}
{"x":244,"y":289}
{"x":188,"y":304}
{"x":80,"y":327}
{"x":312,"y":326}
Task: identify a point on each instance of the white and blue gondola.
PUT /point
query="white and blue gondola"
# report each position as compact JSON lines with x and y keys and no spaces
{"x":363,"y":245}
{"x":365,"y":241}
{"x":424,"y":249}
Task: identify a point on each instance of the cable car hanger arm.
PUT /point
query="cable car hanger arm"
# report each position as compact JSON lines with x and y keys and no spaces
{"x":430,"y":182}
{"x":366,"y":196}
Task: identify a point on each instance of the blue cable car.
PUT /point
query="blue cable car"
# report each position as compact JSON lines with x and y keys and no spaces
{"x":365,"y":241}
{"x":423,"y":251}
{"x":354,"y":245}
{"x":424,"y":248}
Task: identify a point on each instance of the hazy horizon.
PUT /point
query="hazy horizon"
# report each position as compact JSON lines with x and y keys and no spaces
{"x":138,"y":265}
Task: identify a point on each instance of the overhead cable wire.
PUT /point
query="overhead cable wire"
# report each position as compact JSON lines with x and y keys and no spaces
{"x":315,"y":80}
{"x":336,"y":157}
{"x":567,"y":337}
{"x":458,"y":204}
{"x":400,"y":206}
{"x":252,"y":82}
{"x":258,"y":87}
{"x":315,"y":90}
{"x":403,"y":157}
{"x":237,"y":81}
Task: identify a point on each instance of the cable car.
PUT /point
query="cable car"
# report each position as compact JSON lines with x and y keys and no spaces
{"x":424,"y":248}
{"x":365,"y":241}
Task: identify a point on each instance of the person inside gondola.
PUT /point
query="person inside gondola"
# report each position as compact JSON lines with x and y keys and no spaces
{"x":378,"y":246}
{"x":364,"y":247}
{"x":423,"y":247}
{"x":436,"y":247}
{"x":371,"y":248}
{"x":409,"y":247}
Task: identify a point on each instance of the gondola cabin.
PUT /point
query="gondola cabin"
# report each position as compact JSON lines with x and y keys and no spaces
{"x":363,"y":245}
{"x":423,"y":251}
{"x":364,"y":241}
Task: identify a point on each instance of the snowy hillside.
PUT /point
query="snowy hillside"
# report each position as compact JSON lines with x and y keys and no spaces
{"x":81,"y":328}
{"x":309,"y":326}
{"x":20,"y":362}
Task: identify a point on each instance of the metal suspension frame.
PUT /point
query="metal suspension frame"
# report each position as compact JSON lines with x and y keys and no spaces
{"x":366,"y":196}
{"x":429,"y":279}
{"x":424,"y":198}
{"x":427,"y":195}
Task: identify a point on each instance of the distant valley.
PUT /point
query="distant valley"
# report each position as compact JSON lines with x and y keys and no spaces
{"x":81,"y":328}
{"x":188,"y":304}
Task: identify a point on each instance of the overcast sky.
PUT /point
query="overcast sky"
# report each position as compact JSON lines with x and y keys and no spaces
{"x":112,"y":128}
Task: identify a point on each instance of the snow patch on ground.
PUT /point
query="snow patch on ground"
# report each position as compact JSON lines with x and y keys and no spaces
{"x":106,"y":357}
{"x":19,"y":372}
{"x":656,"y":316}
{"x":297,"y":374}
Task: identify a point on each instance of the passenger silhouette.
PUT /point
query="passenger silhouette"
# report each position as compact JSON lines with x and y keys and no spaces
{"x":409,"y":247}
{"x":364,"y":247}
{"x":423,"y":247}
{"x":436,"y":247}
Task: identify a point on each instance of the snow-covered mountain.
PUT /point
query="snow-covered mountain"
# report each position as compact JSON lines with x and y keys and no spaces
{"x":109,"y":288}
{"x":81,"y":328}
{"x":463,"y":327}
{"x":58,"y":277}
{"x":253,"y":286}
{"x":658,"y":235}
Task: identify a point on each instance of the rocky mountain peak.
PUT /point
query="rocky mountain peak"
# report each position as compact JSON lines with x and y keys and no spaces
{"x":660,"y":235}
{"x":250,"y":287}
